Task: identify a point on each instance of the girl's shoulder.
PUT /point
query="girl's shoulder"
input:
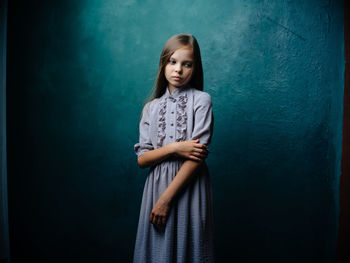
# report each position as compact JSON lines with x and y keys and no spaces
{"x":151,"y":105}
{"x":201,"y":97}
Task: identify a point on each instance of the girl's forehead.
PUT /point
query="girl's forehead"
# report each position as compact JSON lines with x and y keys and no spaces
{"x":183,"y":52}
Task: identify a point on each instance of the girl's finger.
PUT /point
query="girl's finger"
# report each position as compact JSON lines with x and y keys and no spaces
{"x":201,"y":155}
{"x":194,"y":158}
{"x":163,"y":220}
{"x":155,"y":220}
{"x":201,"y":151}
{"x":200,"y":146}
{"x":151,"y":218}
{"x":197,"y":154}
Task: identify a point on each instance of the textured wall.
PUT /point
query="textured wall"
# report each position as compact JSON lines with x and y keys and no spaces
{"x":78,"y":73}
{"x":4,"y":224}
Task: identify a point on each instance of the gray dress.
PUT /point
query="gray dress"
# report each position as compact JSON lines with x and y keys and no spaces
{"x":184,"y":115}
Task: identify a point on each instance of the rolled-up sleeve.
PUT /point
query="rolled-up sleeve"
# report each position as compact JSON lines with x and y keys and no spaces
{"x":203,"y":120}
{"x":144,"y":143}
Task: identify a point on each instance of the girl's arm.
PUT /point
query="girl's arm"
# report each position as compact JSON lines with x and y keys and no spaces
{"x":182,"y":178}
{"x":153,"y":157}
{"x":187,"y":149}
{"x":161,"y":208}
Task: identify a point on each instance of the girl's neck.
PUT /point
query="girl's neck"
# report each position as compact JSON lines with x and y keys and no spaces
{"x":172,"y":88}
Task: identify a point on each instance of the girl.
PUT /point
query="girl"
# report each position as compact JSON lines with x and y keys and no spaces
{"x":176,"y":216}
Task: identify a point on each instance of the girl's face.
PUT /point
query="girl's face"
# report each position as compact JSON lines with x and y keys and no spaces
{"x":179,"y":68}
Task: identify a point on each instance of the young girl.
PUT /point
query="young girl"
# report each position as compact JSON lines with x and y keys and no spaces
{"x":176,"y":216}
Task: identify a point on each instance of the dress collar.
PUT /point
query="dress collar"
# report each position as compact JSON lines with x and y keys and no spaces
{"x":177,"y":91}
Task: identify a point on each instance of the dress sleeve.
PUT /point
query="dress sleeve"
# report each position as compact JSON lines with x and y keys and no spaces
{"x":144,"y":143}
{"x":203,"y":120}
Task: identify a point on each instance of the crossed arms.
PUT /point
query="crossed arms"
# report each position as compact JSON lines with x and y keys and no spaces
{"x":195,"y":152}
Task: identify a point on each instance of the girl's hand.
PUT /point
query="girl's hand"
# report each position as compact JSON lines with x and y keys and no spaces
{"x":160,"y":212}
{"x":191,"y":150}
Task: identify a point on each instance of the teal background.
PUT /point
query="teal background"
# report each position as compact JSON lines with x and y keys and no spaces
{"x":78,"y":75}
{"x":4,"y":223}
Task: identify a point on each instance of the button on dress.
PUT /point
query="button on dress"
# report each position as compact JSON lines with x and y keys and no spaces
{"x":188,"y":234}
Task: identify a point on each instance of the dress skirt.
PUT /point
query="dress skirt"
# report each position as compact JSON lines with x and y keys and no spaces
{"x":187,"y":236}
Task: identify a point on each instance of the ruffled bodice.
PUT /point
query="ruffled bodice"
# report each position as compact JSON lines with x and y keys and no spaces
{"x":179,"y":95}
{"x":186,"y":114}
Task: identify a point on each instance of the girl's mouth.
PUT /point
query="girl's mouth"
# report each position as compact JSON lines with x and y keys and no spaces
{"x":176,"y":78}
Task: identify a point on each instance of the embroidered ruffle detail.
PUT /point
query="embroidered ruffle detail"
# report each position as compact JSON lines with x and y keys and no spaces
{"x":181,"y":119}
{"x":161,"y":123}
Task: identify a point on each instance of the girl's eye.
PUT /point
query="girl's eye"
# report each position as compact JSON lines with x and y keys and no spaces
{"x":188,"y":65}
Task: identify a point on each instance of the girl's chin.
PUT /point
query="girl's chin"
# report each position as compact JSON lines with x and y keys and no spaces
{"x":177,"y":83}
